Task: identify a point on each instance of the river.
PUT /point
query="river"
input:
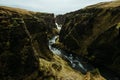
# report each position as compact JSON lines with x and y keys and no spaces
{"x":79,"y":63}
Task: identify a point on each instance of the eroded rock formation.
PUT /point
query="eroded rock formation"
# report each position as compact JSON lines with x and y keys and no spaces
{"x":24,"y":52}
{"x":93,"y":32}
{"x":60,"y":19}
{"x":23,"y":39}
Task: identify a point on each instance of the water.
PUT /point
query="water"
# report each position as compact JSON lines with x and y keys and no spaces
{"x":74,"y":61}
{"x":58,"y":26}
{"x":54,"y":50}
{"x":53,"y":40}
{"x":79,"y":63}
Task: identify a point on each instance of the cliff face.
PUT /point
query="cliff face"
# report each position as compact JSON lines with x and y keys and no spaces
{"x":60,"y":19}
{"x":94,"y":32}
{"x":23,"y":40}
{"x":24,"y":52}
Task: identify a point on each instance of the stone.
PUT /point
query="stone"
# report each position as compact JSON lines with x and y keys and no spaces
{"x":93,"y":32}
{"x":23,"y":40}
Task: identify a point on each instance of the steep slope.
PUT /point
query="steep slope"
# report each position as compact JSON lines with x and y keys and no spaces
{"x":93,"y":32}
{"x":24,"y":52}
{"x":23,"y":39}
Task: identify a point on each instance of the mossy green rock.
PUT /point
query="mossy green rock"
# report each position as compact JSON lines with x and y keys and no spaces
{"x":94,"y":32}
{"x":23,"y":40}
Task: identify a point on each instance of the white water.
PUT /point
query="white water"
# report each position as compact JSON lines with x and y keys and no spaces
{"x":74,"y":62}
{"x":53,"y":40}
{"x":54,"y":50}
{"x":58,"y":26}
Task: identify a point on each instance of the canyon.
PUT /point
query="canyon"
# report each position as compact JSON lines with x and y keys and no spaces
{"x":80,"y":45}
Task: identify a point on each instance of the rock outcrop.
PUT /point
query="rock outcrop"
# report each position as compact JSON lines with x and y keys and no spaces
{"x":60,"y":19}
{"x":23,"y":40}
{"x":93,"y":32}
{"x":24,"y":52}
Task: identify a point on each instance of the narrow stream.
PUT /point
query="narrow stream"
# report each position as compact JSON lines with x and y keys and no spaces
{"x":54,"y":50}
{"x":79,"y":63}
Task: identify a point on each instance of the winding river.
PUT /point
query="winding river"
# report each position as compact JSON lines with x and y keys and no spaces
{"x":79,"y":63}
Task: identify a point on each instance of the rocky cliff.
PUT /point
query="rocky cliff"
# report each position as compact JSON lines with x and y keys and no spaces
{"x":93,"y":32}
{"x":60,"y":19}
{"x":24,"y":52}
{"x":23,"y":39}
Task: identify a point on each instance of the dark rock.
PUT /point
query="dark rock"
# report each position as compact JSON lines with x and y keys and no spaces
{"x":93,"y":32}
{"x":60,"y":19}
{"x":23,"y":40}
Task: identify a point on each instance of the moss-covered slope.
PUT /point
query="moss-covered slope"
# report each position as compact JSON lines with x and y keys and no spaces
{"x":23,"y":40}
{"x":94,"y":32}
{"x":24,"y":52}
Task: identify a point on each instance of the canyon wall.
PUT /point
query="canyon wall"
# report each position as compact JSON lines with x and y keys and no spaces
{"x":24,"y":51}
{"x":93,"y":32}
{"x":23,"y":40}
